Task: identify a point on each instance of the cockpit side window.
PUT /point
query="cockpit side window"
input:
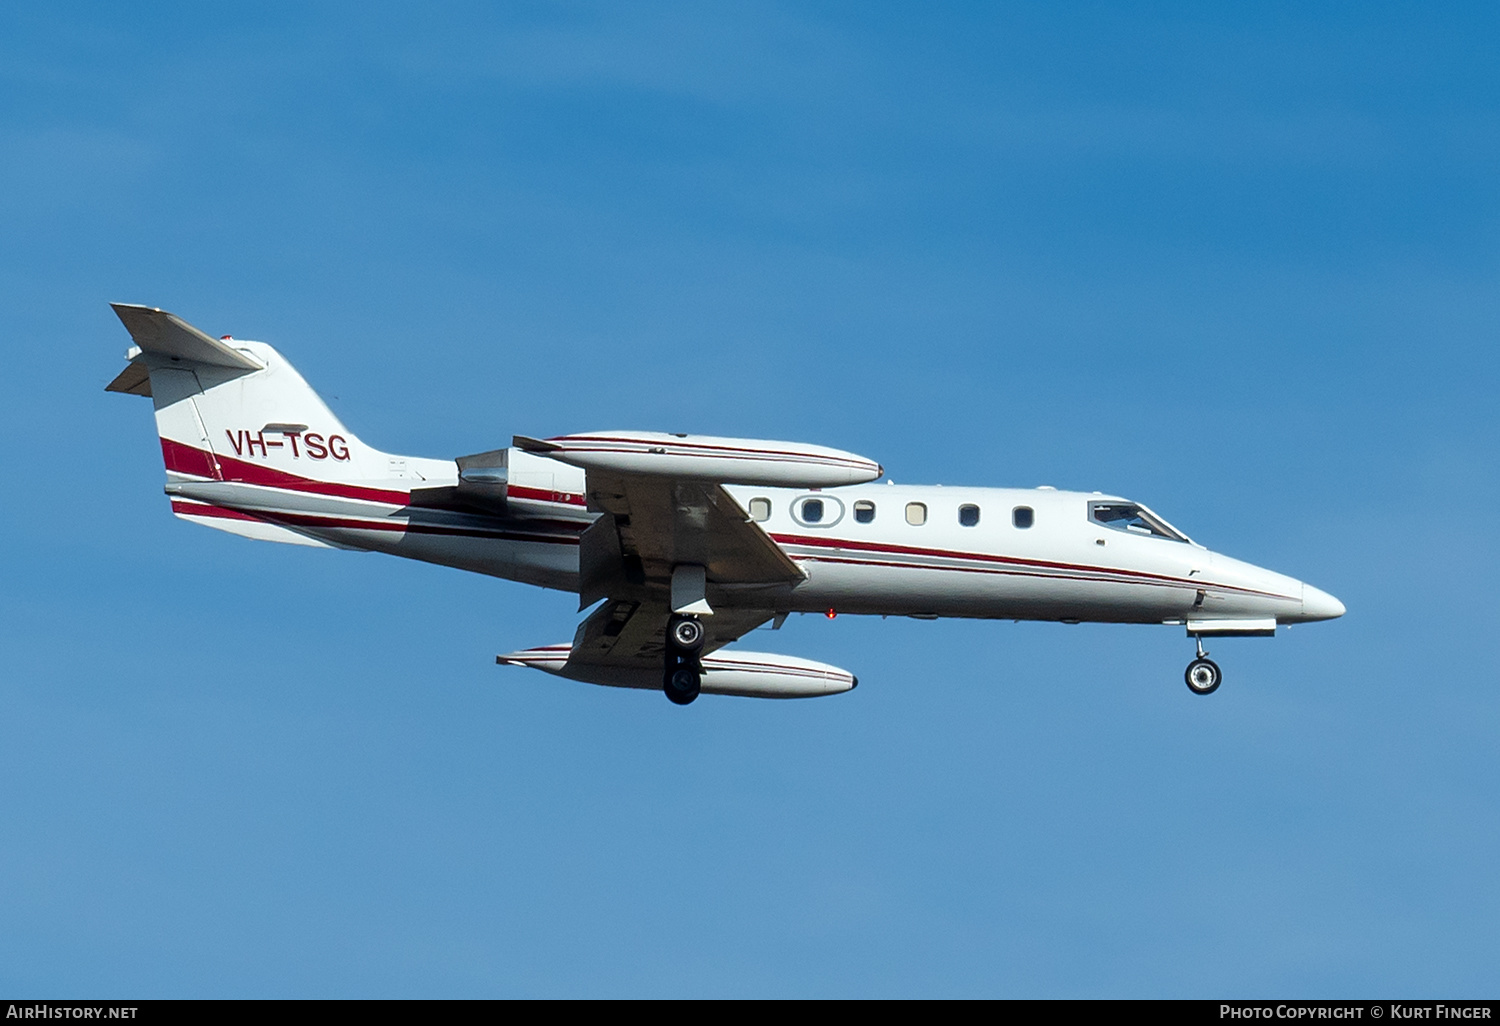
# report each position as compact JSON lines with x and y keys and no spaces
{"x":1135,"y":519}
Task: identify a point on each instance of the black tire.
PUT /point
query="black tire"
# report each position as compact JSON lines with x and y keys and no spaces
{"x":1203,"y":676}
{"x":686,"y":633}
{"x":682,"y":685}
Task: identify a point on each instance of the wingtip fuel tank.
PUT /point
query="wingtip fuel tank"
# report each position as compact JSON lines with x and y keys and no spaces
{"x":746,"y":674}
{"x":746,"y":461}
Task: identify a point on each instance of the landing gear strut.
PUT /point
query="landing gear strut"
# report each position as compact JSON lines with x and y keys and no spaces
{"x":1203,"y":675}
{"x":682,"y":676}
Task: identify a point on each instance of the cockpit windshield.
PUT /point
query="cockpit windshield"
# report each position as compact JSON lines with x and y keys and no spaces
{"x":1128,"y":516}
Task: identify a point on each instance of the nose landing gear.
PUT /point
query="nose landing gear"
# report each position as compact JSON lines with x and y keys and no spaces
{"x":682,"y":676}
{"x":1203,"y":675}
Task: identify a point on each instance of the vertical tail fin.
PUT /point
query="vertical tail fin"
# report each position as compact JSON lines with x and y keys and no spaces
{"x":237,"y":412}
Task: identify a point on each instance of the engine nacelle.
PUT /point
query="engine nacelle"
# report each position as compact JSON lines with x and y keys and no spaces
{"x":747,"y":674}
{"x":747,"y":461}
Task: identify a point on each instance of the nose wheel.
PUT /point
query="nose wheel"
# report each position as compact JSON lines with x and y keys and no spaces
{"x":682,"y":676}
{"x":1203,"y":675}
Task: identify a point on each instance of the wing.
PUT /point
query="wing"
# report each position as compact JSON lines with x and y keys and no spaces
{"x":652,"y":526}
{"x":646,"y":547}
{"x":663,"y":543}
{"x":669,"y":538}
{"x":624,"y":634}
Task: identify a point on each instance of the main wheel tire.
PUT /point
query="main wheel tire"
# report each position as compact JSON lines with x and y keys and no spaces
{"x":682,"y":685}
{"x":687,"y":634}
{"x":1203,"y":676}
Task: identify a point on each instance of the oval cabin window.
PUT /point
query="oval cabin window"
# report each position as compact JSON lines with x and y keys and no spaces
{"x":1022,"y":517}
{"x":864,"y":511}
{"x":817,"y":511}
{"x":760,"y":510}
{"x":916,"y":513}
{"x":968,"y":515}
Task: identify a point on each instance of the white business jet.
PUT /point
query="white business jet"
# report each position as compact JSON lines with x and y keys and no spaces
{"x":685,"y":542}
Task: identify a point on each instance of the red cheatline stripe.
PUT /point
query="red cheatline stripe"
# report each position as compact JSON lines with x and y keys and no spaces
{"x":910,"y":550}
{"x":186,"y":459}
{"x":350,"y":524}
{"x":1135,"y":576}
{"x":995,"y":571}
{"x":397,"y":526}
{"x":198,"y":509}
{"x":710,"y":664}
{"x":570,"y":498}
{"x":501,"y":533}
{"x":1044,"y":575}
{"x":738,"y":457}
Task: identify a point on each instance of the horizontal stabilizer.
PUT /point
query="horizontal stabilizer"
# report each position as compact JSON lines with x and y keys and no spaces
{"x":157,"y":331}
{"x":135,"y":379}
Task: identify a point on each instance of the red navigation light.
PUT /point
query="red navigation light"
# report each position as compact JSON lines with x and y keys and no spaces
{"x":831,"y":614}
{"x":226,"y":338}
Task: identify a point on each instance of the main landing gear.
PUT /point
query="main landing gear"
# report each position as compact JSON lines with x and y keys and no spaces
{"x":682,"y":676}
{"x":1203,"y":675}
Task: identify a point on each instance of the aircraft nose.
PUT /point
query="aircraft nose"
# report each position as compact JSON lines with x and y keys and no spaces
{"x":1319,"y":605}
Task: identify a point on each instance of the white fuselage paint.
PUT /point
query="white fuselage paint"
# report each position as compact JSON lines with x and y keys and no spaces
{"x":251,"y":449}
{"x":1064,"y":567}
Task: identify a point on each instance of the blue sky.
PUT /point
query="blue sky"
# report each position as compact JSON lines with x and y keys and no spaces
{"x":1238,"y":264}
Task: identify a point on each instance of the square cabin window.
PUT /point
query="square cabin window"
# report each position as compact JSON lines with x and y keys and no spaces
{"x":1023,"y":517}
{"x":968,"y":515}
{"x":760,"y":510}
{"x":864,"y":511}
{"x":916,"y":513}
